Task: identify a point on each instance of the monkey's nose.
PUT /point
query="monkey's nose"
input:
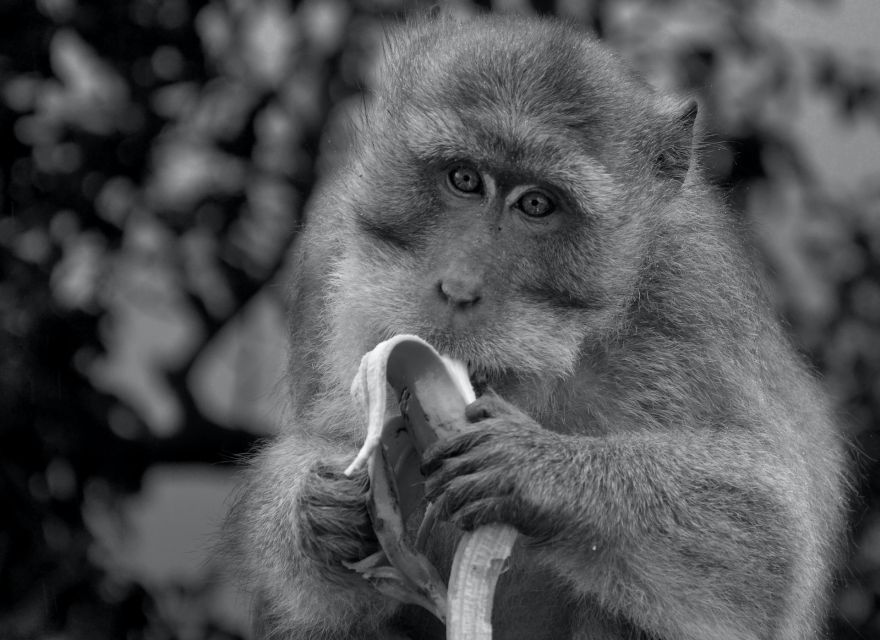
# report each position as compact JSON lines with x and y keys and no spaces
{"x":460,"y":291}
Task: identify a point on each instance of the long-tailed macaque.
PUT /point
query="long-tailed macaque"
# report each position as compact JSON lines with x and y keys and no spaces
{"x":520,"y":199}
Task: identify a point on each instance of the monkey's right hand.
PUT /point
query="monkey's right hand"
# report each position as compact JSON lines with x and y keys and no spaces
{"x":334,"y":523}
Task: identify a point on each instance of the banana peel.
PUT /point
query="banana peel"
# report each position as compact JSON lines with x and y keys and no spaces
{"x":433,"y":392}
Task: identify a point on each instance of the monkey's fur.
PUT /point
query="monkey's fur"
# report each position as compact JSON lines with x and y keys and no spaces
{"x":673,"y":468}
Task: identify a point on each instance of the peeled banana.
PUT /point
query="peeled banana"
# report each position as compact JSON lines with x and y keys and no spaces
{"x":433,"y":392}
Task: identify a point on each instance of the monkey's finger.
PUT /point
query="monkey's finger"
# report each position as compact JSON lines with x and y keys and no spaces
{"x":443,"y":468}
{"x":476,"y":467}
{"x":456,"y":493}
{"x":436,"y":454}
{"x":478,"y":513}
{"x":477,"y":411}
{"x":488,"y":405}
{"x":327,"y":471}
{"x":351,"y":496}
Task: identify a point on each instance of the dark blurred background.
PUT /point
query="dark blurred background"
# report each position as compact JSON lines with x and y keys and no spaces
{"x":154,"y":158}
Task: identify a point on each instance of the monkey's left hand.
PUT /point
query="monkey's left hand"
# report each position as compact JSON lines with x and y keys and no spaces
{"x":493,"y":471}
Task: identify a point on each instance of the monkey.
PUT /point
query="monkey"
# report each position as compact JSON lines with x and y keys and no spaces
{"x":517,"y":196}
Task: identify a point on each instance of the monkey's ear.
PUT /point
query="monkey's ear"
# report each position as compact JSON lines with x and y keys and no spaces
{"x":676,"y":153}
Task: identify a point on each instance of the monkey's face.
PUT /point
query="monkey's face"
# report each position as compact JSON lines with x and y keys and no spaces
{"x":496,"y":260}
{"x":494,"y":206}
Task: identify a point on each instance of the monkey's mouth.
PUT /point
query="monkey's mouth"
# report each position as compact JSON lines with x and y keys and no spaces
{"x":481,"y":373}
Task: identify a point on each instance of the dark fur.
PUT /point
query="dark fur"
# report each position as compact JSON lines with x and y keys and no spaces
{"x":674,"y":469}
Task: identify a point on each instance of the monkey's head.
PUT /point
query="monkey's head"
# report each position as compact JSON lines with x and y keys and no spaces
{"x":502,"y":193}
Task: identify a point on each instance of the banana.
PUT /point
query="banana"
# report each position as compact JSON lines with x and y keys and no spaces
{"x":433,"y":392}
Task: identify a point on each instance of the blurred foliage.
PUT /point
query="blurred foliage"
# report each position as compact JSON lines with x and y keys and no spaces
{"x":154,"y":157}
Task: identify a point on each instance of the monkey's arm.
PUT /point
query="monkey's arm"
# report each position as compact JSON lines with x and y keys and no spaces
{"x":294,"y":522}
{"x":686,"y":534}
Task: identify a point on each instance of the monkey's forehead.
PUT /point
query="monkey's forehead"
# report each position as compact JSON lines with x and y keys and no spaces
{"x":509,"y":59}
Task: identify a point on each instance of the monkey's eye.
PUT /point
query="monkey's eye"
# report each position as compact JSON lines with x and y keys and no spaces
{"x":465,"y":179}
{"x":535,"y":204}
